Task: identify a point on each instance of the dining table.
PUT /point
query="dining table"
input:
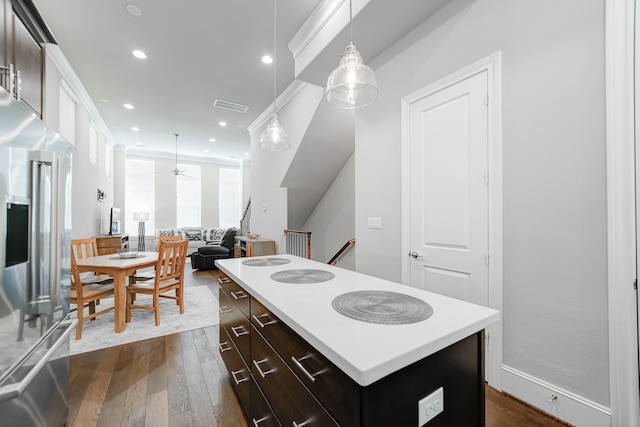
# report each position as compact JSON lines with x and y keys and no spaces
{"x":118,"y":267}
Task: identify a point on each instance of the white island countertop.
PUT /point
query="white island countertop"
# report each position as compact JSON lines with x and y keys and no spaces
{"x":366,"y":352}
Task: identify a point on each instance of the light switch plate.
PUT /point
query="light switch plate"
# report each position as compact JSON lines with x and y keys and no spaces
{"x":430,"y":406}
{"x":374,"y":222}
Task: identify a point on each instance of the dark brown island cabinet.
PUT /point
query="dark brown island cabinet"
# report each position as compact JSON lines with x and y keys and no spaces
{"x":282,"y":380}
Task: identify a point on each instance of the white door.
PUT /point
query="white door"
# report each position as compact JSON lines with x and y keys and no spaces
{"x":449,"y":231}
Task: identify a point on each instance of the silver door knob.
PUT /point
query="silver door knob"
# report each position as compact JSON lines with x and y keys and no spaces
{"x":414,"y":254}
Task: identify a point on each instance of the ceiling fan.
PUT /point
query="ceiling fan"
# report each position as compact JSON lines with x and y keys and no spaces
{"x":177,"y":171}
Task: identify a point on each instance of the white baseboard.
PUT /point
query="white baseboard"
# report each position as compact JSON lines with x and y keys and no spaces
{"x":566,"y":406}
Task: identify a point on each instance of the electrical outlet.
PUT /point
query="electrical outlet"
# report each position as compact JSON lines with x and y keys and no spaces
{"x":430,"y":406}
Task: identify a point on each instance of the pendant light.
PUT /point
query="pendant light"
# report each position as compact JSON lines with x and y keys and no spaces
{"x":352,"y":84}
{"x":274,"y":138}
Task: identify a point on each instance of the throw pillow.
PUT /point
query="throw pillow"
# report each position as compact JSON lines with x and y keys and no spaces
{"x":217,"y":233}
{"x":166,"y":232}
{"x":193,"y":233}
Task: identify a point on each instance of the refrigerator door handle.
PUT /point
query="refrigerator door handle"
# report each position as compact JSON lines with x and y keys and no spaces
{"x":45,"y":269}
{"x":11,"y":391}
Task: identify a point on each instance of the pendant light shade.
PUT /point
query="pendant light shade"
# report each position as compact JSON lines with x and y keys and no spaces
{"x":352,"y":84}
{"x":274,"y":138}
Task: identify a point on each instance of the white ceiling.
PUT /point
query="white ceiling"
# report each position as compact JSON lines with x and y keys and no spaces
{"x":198,"y":50}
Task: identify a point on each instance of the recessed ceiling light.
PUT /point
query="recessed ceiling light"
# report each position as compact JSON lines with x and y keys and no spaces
{"x":246,"y":154}
{"x":139,"y":144}
{"x":134,"y":10}
{"x":222,"y":123}
{"x":106,"y":101}
{"x":139,"y":54}
{"x":206,"y":151}
{"x":128,"y":106}
{"x":267,"y":59}
{"x":135,"y":128}
{"x":212,"y":140}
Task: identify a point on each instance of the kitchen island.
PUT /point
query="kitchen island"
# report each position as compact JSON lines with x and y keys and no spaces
{"x":310,"y":344}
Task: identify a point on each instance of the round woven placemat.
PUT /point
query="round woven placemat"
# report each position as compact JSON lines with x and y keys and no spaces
{"x":382,"y":307}
{"x":266,"y":262}
{"x":302,"y":276}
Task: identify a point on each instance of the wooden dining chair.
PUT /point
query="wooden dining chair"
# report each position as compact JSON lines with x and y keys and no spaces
{"x":140,"y":276}
{"x":83,"y":248}
{"x":169,"y":276}
{"x":86,"y":295}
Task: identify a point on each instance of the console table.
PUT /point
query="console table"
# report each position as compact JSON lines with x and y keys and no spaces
{"x":246,"y":247}
{"x":109,"y":244}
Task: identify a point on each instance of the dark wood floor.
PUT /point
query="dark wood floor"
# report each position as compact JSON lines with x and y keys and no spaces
{"x":180,"y":380}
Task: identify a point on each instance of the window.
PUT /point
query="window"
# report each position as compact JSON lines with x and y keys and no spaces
{"x":230,"y":197}
{"x":108,"y":154}
{"x":93,"y":144}
{"x":138,"y":193}
{"x":189,"y":196}
{"x":67,"y":105}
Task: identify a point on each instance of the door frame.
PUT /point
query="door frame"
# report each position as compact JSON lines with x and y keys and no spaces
{"x":622,"y":222}
{"x":493,"y":66}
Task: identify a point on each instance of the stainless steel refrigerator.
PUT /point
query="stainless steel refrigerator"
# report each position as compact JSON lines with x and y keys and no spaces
{"x":35,"y":229}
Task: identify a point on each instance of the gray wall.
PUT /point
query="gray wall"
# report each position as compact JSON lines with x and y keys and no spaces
{"x":332,"y":222}
{"x":554,"y":199}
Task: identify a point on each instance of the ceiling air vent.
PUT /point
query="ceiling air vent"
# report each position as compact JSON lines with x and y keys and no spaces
{"x":232,"y":106}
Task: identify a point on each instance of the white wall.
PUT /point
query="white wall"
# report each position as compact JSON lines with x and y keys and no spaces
{"x":332,"y":222}
{"x":268,"y":198}
{"x":87,"y":177}
{"x":554,"y":198}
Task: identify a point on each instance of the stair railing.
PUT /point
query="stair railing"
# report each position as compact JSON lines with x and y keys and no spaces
{"x":346,"y":246}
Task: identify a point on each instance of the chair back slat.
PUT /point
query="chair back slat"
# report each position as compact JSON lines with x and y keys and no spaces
{"x":171,"y":259}
{"x":84,"y":248}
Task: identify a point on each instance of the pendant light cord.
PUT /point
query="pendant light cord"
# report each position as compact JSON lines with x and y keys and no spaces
{"x":275,"y":2}
{"x":351,"y":21}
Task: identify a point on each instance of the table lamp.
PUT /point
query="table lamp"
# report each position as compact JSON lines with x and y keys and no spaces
{"x":141,"y":217}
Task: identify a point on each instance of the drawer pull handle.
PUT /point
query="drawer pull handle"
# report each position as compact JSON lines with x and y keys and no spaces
{"x":222,"y":280}
{"x":240,"y":293}
{"x":256,"y":422}
{"x":295,"y":424}
{"x":223,"y":349}
{"x":241,"y":328}
{"x":262,"y":373}
{"x":238,"y":381}
{"x":224,"y":310}
{"x":262,"y":325}
{"x":312,"y":377}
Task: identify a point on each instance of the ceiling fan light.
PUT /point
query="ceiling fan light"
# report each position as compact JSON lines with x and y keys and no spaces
{"x":274,"y":138}
{"x":352,"y":84}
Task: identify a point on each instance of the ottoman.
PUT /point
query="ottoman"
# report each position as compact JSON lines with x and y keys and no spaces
{"x":204,"y":258}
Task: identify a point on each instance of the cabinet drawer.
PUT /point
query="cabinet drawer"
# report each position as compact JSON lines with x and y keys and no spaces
{"x":238,"y":371}
{"x":261,"y":413}
{"x":236,"y":324}
{"x":333,"y":388}
{"x":290,"y":400}
{"x":236,"y":294}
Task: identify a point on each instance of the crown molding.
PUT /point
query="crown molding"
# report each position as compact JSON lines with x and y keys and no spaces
{"x":313,"y":25}
{"x":287,"y":95}
{"x":184,"y":158}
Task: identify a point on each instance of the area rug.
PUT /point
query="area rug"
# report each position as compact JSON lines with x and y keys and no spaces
{"x":200,"y":310}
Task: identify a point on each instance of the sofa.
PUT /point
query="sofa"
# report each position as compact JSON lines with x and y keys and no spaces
{"x":205,"y":257}
{"x":197,"y":236}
